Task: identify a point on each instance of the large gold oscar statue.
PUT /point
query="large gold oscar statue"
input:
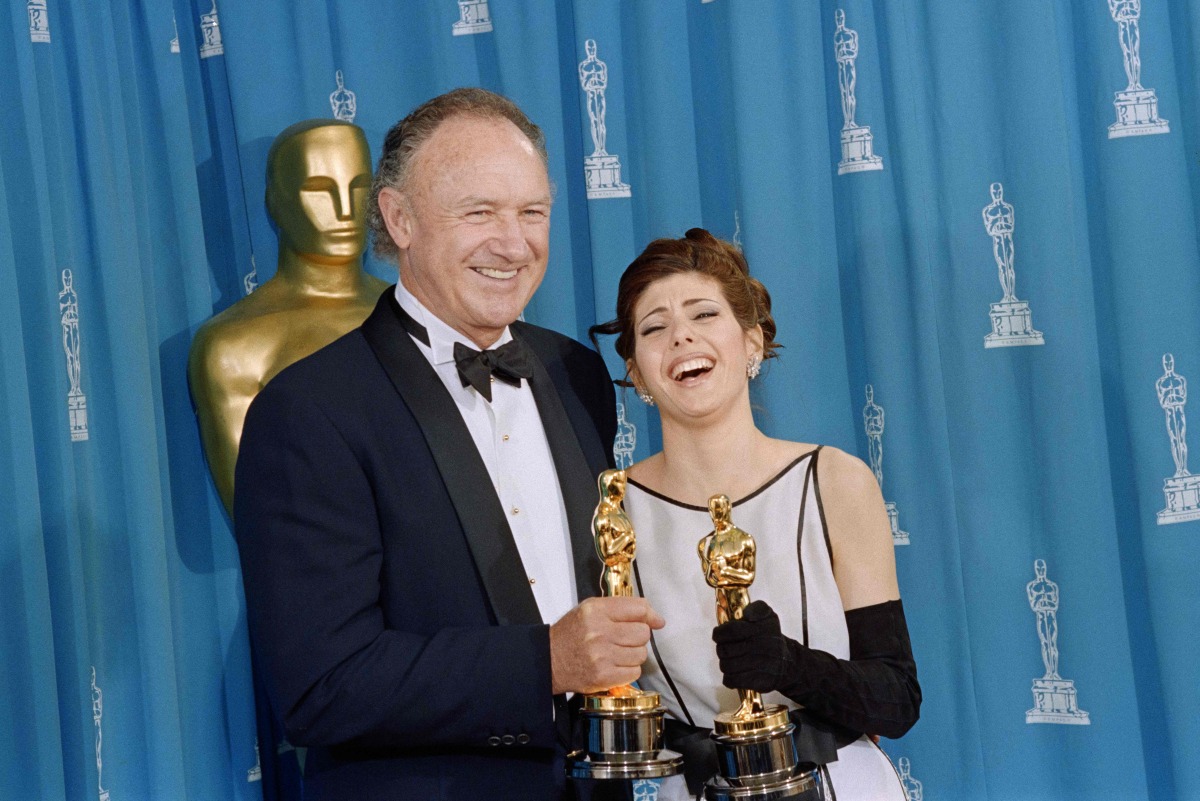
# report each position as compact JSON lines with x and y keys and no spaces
{"x":318,"y":178}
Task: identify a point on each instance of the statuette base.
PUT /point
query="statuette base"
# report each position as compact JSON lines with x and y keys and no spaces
{"x":756,"y":757}
{"x":468,"y":28}
{"x":898,"y":537}
{"x":640,"y":702}
{"x":1055,"y":701}
{"x":1137,"y":115}
{"x":1012,"y":325}
{"x":1183,"y":500}
{"x":857,"y":151}
{"x":801,"y":787}
{"x":624,"y":735}
{"x":77,"y":414}
{"x":602,"y":174}
{"x":664,"y":763}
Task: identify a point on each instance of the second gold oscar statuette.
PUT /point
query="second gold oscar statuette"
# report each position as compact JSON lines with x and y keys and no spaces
{"x":756,"y":755}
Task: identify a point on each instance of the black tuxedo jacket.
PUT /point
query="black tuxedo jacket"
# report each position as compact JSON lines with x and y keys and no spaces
{"x":388,"y":607}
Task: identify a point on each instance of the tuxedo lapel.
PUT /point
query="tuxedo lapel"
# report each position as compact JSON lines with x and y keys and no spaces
{"x":462,"y":469}
{"x":576,"y":473}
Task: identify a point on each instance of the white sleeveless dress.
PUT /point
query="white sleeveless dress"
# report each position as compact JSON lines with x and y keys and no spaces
{"x":794,"y":574}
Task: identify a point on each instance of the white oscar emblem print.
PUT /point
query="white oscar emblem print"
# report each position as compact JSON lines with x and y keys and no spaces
{"x":343,"y":102}
{"x":602,"y":170}
{"x":1054,"y":698}
{"x":626,"y":440}
{"x":857,"y":151}
{"x":39,"y":21}
{"x":473,"y":17}
{"x":68,"y":310}
{"x":913,"y":789}
{"x":255,"y":773}
{"x":175,"y":41}
{"x":873,"y":423}
{"x":1183,"y":488}
{"x":97,"y":714}
{"x":250,"y":279}
{"x":737,"y":230}
{"x":647,"y":789}
{"x":210,"y":27}
{"x":1137,"y":107}
{"x":1012,"y":321}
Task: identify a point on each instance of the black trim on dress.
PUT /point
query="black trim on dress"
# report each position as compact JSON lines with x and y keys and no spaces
{"x":752,"y":495}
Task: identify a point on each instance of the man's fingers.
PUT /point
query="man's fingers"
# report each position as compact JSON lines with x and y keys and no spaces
{"x":629,"y":634}
{"x":632,"y":610}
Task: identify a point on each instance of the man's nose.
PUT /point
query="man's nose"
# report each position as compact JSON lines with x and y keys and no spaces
{"x":510,"y":240}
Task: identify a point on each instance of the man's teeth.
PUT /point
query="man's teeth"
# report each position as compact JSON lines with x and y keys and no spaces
{"x":691,"y":366}
{"x":491,"y":273}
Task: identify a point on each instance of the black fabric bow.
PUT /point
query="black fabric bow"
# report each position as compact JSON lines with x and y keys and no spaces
{"x":509,"y":363}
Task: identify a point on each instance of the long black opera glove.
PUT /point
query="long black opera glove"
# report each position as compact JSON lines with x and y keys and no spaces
{"x":874,"y":691}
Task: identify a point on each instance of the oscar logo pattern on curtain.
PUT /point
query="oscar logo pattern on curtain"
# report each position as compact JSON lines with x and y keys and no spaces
{"x":1182,"y":489}
{"x":1012,"y":322}
{"x":1055,"y":699}
{"x":873,"y":421}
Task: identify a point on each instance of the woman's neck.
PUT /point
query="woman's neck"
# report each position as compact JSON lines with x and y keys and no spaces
{"x":730,"y":457}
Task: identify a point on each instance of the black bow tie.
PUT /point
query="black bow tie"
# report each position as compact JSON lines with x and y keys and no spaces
{"x":509,"y":363}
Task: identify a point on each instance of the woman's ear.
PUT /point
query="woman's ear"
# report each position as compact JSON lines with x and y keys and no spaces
{"x":754,"y":343}
{"x":634,"y":376}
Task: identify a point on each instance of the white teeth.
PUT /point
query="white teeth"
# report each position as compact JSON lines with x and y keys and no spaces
{"x":491,"y":273}
{"x":689,"y":365}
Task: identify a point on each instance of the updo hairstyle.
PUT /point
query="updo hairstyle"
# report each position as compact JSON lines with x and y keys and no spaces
{"x":697,"y":252}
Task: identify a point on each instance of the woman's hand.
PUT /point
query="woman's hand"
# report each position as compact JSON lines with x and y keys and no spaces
{"x":753,"y":652}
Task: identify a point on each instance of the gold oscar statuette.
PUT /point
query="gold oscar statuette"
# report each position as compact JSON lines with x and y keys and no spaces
{"x":624,"y":725}
{"x":756,"y":755}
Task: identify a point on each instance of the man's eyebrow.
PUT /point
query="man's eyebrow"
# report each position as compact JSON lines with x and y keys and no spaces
{"x":480,"y":200}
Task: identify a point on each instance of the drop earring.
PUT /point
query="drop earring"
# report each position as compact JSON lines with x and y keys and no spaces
{"x":754,"y":367}
{"x":646,"y":397}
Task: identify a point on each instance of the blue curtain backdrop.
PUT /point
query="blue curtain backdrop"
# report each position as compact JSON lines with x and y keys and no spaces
{"x":131,"y":186}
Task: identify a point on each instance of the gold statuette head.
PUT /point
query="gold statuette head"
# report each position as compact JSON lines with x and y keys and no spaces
{"x":318,"y":179}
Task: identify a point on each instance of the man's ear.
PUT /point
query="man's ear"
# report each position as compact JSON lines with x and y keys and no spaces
{"x":396,"y":212}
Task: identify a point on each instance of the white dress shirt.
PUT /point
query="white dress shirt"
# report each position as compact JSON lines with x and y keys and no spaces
{"x":509,"y":436}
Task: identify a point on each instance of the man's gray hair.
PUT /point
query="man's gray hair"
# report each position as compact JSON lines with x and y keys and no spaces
{"x":406,"y":137}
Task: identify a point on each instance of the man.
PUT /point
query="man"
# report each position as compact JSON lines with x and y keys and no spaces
{"x":408,"y":524}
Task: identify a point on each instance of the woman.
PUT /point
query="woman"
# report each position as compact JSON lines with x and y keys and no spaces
{"x":825,"y":632}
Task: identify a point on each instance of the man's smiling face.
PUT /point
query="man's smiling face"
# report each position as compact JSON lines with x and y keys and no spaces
{"x":473,"y":225}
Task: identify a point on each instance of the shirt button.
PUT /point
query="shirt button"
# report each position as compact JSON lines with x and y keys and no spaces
{"x":493,"y":740}
{"x":508,"y":739}
{"x":522,"y":738}
{"x":505,"y":438}
{"x":533,"y":581}
{"x":516,"y":511}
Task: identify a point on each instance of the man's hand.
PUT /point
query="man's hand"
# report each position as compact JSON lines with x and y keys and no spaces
{"x":601,"y":644}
